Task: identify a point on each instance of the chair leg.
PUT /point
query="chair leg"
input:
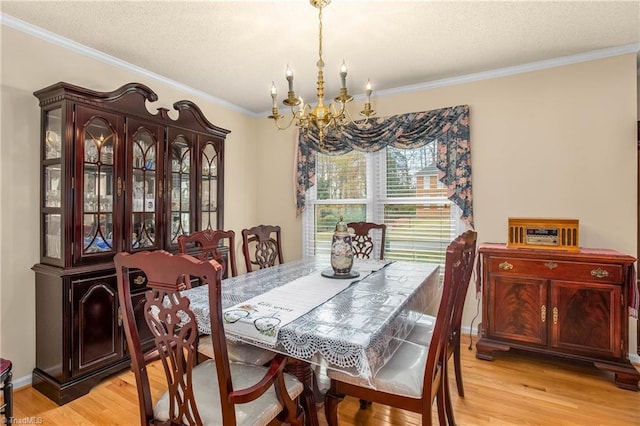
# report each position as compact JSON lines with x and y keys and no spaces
{"x":446,"y":393}
{"x":442,"y":417}
{"x":331,"y":401}
{"x":364,"y":404}
{"x":458,"y":369}
{"x":7,"y":393}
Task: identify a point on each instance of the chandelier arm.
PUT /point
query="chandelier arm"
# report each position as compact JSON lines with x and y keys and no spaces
{"x":277,"y":120}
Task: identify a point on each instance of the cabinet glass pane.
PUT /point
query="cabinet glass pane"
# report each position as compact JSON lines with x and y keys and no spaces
{"x":98,"y":194}
{"x":53,"y":134}
{"x":52,"y":231}
{"x":180,"y":155}
{"x":179,"y":225}
{"x":98,"y":230}
{"x":143,"y":197}
{"x":52,"y":193}
{"x":209,"y":185}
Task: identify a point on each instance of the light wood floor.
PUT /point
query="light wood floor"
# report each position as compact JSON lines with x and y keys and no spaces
{"x":514,"y":389}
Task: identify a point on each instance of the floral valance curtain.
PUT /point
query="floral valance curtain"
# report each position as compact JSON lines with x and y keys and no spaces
{"x":448,"y":127}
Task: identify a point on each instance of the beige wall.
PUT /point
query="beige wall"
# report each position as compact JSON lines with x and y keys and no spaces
{"x":559,"y":142}
{"x":579,"y":120}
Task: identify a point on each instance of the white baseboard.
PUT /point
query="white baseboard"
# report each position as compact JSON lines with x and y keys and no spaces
{"x":21,"y":382}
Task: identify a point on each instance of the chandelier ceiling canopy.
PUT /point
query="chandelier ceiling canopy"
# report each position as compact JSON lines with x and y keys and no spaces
{"x":320,"y":117}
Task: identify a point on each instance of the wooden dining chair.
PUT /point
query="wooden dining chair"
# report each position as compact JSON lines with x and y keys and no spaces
{"x":366,"y":237}
{"x":422,"y":332}
{"x":262,"y":247}
{"x":6,"y":408}
{"x":205,"y":245}
{"x":415,"y":375}
{"x":214,"y":392}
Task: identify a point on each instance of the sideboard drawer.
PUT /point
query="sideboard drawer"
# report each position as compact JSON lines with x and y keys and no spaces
{"x":557,"y":269}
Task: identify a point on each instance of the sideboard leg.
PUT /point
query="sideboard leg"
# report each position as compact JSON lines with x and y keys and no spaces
{"x":485,"y":348}
{"x":627,"y":377}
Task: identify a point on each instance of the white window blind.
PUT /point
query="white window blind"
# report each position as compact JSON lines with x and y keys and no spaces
{"x":397,"y":187}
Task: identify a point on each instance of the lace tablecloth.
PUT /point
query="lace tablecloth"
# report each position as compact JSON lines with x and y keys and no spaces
{"x":357,"y":330}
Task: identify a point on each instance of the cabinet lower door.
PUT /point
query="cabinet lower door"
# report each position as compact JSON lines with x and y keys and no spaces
{"x":97,"y":339}
{"x":584,"y":318}
{"x":518,"y":310}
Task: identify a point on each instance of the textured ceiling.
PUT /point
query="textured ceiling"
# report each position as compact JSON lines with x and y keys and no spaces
{"x":233,"y":50}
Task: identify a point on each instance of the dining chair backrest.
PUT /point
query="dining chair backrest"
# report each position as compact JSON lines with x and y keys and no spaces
{"x":206,"y":245}
{"x":366,"y":237}
{"x":469,"y":255}
{"x":437,"y":355}
{"x":469,"y":238}
{"x":262,"y":247}
{"x":174,"y":328}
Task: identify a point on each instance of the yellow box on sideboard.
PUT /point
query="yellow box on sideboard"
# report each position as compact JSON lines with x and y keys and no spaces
{"x":543,"y":233}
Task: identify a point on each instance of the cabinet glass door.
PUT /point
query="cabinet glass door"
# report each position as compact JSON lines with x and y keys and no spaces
{"x":209,"y":187}
{"x":98,"y":178}
{"x":143,"y":194}
{"x":180,"y":188}
{"x":52,"y":185}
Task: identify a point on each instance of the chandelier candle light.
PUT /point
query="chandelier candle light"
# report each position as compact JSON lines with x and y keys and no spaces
{"x":321,"y":117}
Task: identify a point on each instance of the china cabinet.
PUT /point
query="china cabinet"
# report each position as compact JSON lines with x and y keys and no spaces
{"x":114,"y":177}
{"x":573,"y":305}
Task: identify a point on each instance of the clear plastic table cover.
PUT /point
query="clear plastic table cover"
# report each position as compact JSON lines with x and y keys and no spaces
{"x":356,"y":331}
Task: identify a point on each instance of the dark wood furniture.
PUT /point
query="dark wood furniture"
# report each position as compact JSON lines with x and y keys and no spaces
{"x":114,"y":178}
{"x":6,"y":408}
{"x":362,"y":240}
{"x":244,"y":392}
{"x":395,"y":383}
{"x":573,"y":305}
{"x":210,"y":244}
{"x":262,"y":247}
{"x":206,"y":245}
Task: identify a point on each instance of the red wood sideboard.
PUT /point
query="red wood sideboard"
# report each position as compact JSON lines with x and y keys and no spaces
{"x":573,"y":305}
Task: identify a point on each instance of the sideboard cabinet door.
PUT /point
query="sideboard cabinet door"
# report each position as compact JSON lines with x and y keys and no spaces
{"x":584,"y":318}
{"x":518,"y":309}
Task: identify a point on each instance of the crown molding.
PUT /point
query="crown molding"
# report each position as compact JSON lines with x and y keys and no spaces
{"x":519,"y":69}
{"x":66,"y":43}
{"x":71,"y":45}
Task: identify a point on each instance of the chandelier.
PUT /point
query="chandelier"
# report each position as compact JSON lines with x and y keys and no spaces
{"x":321,"y":117}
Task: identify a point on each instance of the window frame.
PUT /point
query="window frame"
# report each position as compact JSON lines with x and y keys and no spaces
{"x":375,"y":202}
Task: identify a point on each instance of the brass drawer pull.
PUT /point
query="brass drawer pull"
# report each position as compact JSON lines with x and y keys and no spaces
{"x":543,"y":313}
{"x":555,"y":316}
{"x":139,"y":280}
{"x":551,"y":265}
{"x":505,"y":266}
{"x":599,"y":273}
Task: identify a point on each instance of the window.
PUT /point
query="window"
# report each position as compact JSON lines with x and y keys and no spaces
{"x":398,"y":187}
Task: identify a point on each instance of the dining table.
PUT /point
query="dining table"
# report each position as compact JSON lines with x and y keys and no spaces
{"x":301,"y":309}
